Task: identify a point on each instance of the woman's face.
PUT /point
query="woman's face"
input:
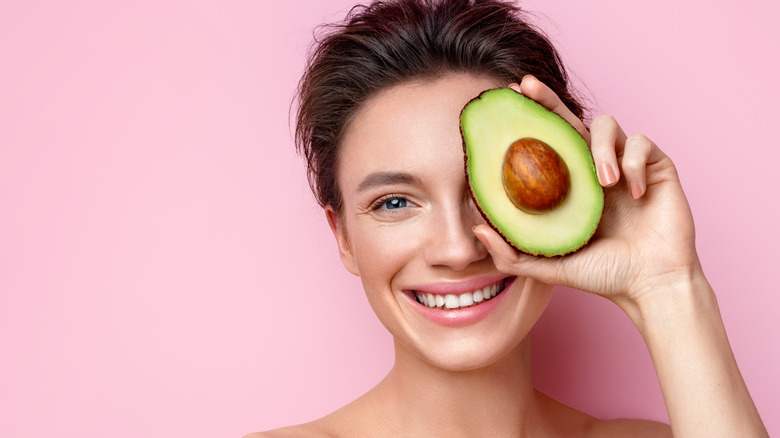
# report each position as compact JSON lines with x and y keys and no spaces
{"x":406,"y":229}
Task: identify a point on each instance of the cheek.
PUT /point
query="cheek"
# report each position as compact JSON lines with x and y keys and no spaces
{"x":540,"y":294}
{"x":384,"y":254}
{"x":536,"y":296}
{"x":383,"y":251}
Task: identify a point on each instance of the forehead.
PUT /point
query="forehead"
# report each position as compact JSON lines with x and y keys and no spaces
{"x":412,"y":127}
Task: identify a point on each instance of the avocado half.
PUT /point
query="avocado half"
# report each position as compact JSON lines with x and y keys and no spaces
{"x":492,"y":123}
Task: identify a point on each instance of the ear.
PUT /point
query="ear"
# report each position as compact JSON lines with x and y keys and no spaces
{"x":340,"y":233}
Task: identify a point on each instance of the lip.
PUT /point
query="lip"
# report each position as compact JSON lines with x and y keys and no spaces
{"x":462,"y":316}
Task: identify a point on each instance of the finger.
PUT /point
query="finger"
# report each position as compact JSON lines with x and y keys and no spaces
{"x":607,"y":141}
{"x":538,"y":91}
{"x":639,"y":152}
{"x":509,"y":260}
{"x":504,"y":256}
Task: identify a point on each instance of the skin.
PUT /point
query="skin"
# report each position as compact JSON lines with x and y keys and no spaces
{"x":475,"y":380}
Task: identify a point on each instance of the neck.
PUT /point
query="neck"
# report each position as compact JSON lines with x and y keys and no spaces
{"x":497,"y":400}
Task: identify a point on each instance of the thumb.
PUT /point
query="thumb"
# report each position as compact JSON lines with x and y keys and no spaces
{"x":511,"y":261}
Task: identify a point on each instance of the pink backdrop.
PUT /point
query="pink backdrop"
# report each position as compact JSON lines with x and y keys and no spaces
{"x":164,"y":270}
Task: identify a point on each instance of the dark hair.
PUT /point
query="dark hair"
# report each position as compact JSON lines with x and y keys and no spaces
{"x":390,"y":42}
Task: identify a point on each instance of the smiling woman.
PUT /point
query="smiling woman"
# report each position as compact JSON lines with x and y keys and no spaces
{"x":426,"y":247}
{"x":378,"y":117}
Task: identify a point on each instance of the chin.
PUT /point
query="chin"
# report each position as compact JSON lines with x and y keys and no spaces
{"x":470,"y":359}
{"x":465,"y":353}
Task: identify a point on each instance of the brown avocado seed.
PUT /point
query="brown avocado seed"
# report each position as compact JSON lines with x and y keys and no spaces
{"x":535,"y":177}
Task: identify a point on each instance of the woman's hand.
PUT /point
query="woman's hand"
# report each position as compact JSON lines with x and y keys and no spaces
{"x":646,"y":237}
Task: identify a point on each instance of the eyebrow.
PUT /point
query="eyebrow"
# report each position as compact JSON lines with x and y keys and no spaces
{"x":377,"y":179}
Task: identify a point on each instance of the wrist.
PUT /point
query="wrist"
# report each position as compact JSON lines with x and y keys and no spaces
{"x":670,"y":298}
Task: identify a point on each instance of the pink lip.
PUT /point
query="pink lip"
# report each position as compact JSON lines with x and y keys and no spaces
{"x":463,"y":316}
{"x":459,"y":287}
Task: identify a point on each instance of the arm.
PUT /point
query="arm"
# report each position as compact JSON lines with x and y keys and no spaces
{"x":644,"y":259}
{"x":703,"y":389}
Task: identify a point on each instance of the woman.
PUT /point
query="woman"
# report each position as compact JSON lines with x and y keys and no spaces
{"x":378,"y":124}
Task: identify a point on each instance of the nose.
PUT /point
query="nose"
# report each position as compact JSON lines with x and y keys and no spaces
{"x":452,"y":242}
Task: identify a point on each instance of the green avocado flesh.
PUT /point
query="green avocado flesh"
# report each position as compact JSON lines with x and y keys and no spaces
{"x":489,"y":124}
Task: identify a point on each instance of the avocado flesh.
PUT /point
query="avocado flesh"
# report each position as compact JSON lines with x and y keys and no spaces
{"x":490,"y":123}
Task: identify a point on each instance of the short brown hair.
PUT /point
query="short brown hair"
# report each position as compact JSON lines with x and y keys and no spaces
{"x":390,"y":42}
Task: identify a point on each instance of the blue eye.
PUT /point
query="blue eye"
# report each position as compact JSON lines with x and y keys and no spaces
{"x":391,"y":202}
{"x":394,"y":203}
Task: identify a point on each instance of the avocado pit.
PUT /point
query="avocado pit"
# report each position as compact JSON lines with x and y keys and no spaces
{"x":535,"y":177}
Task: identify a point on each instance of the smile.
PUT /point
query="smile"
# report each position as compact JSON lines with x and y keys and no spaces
{"x":467,"y":299}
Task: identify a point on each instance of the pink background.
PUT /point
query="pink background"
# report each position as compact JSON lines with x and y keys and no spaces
{"x":164,"y":270}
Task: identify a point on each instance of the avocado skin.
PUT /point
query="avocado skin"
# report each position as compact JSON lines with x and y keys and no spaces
{"x":584,"y":162}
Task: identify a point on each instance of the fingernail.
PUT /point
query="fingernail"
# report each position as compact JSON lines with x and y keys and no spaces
{"x":607,"y":175}
{"x":515,"y":86}
{"x":636,"y":190}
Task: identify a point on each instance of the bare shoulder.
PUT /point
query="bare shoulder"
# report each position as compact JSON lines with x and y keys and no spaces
{"x":313,"y":430}
{"x":623,"y":427}
{"x":571,"y":422}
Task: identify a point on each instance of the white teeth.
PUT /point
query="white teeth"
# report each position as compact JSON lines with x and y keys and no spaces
{"x":466,"y":299}
{"x":452,"y":301}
